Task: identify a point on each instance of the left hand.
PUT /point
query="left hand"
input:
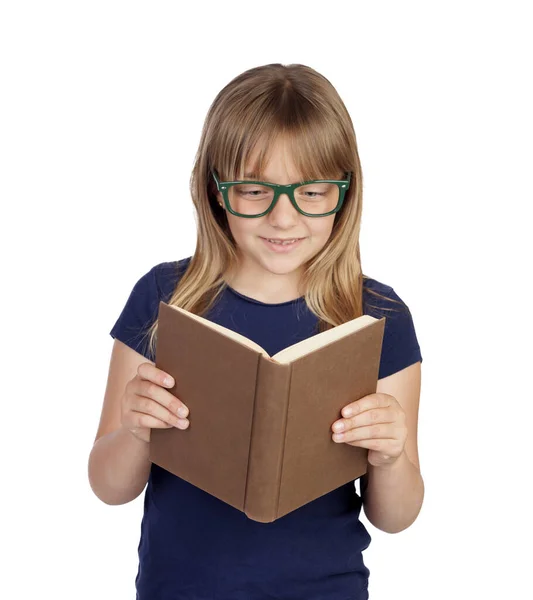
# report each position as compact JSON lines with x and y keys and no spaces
{"x":378,"y":423}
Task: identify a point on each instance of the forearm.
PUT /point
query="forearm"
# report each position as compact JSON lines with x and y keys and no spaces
{"x":394,"y":495}
{"x":119,"y":467}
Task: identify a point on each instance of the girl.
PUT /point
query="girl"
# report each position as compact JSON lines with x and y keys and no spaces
{"x":276,"y":264}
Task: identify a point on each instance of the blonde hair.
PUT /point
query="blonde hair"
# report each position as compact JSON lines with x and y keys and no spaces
{"x":253,"y":110}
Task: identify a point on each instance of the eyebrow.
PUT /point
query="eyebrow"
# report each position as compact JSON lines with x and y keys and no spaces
{"x":256,"y":177}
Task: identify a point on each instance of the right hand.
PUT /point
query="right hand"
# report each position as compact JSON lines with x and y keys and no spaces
{"x":147,"y":404}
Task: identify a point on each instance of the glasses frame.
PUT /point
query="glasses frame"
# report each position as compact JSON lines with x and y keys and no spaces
{"x":278,"y":189}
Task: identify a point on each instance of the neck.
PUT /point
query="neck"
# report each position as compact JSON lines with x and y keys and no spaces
{"x":269,"y":288}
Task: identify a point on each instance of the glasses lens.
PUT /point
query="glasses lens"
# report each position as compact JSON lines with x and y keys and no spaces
{"x":250,"y":198}
{"x":317,"y":198}
{"x":254,"y":199}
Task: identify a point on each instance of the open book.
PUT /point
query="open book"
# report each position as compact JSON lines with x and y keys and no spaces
{"x":259,"y":436}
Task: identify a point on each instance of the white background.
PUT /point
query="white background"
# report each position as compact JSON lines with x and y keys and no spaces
{"x":102,"y":105}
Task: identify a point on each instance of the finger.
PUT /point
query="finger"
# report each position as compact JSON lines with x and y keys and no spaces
{"x":150,"y":372}
{"x":163,"y":397}
{"x":149,"y":406}
{"x":377,"y":445}
{"x":369,"y":417}
{"x":140,"y":419}
{"x":366,"y":403}
{"x":381,"y":431}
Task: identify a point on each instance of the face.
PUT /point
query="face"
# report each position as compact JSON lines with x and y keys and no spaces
{"x":263,"y":263}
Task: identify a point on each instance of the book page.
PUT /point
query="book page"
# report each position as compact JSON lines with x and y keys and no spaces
{"x":322,"y":339}
{"x":241,"y":339}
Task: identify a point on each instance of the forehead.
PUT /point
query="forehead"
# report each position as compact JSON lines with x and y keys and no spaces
{"x":277,"y":163}
{"x":285,"y":159}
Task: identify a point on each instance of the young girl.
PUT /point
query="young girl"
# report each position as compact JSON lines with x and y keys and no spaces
{"x":277,"y":260}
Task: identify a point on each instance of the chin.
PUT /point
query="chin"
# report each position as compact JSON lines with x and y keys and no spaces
{"x":282,"y":265}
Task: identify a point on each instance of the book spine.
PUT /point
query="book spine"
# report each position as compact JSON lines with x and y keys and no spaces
{"x":267,"y":440}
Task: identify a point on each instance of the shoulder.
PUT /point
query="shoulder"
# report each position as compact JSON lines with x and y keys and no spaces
{"x":369,"y":283}
{"x":167,"y":274}
{"x":142,"y":305}
{"x":400,"y":342}
{"x":161,"y":279}
{"x":378,"y":295}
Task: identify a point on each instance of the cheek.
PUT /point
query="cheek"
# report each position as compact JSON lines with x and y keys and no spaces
{"x":321,"y":231}
{"x":241,"y":228}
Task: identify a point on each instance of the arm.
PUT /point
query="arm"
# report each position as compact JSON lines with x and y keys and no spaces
{"x":119,"y":466}
{"x":393,"y":496}
{"x":118,"y":463}
{"x":393,"y":493}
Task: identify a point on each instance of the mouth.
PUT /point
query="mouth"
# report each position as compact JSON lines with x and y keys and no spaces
{"x":282,"y":244}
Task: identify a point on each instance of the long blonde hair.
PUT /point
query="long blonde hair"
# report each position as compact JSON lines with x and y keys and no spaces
{"x":254,"y":109}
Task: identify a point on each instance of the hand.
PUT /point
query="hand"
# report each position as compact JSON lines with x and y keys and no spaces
{"x":377,"y":422}
{"x":147,"y":404}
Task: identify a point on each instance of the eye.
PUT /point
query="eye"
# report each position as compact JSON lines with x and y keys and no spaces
{"x":251,"y":189}
{"x":315,"y":191}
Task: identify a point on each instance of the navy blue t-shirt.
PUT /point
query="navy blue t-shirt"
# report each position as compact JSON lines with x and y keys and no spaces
{"x":194,"y":546}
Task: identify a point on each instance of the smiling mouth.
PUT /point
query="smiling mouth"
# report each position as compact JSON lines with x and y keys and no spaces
{"x":282,"y":242}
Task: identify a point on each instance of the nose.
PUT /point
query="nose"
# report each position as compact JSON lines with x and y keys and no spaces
{"x":283,"y":215}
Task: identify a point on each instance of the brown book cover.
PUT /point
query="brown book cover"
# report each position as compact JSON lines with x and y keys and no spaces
{"x":259,"y":436}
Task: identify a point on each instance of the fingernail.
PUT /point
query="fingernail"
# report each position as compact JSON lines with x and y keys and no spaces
{"x":169,"y":381}
{"x":182,"y":411}
{"x":338,"y":427}
{"x":348,"y":412}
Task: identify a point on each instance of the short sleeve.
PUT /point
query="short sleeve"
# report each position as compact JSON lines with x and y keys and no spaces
{"x":400,"y":344}
{"x":138,"y":314}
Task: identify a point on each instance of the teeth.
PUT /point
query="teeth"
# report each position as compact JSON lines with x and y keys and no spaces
{"x":285,"y":243}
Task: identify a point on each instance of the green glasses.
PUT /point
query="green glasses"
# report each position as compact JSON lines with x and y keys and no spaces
{"x":251,"y":199}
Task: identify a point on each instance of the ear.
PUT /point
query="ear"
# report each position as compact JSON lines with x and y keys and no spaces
{"x":220,"y":200}
{"x":214,"y":192}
